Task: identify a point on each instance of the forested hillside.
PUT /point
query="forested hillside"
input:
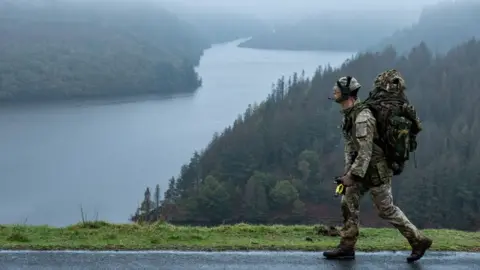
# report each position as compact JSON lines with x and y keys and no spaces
{"x":64,"y":49}
{"x":277,"y":161}
{"x":440,"y":26}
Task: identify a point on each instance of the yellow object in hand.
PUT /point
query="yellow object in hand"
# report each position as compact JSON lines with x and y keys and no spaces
{"x":340,"y":190}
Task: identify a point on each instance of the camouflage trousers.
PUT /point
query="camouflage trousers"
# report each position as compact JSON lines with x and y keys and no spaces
{"x":383,"y":201}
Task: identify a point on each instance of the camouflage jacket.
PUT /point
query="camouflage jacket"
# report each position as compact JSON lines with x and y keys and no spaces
{"x":359,"y":131}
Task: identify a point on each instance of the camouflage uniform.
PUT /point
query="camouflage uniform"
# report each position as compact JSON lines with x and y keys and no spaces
{"x":366,"y":162}
{"x":371,"y":167}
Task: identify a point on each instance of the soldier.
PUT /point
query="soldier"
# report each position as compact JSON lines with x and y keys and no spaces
{"x":366,"y":170}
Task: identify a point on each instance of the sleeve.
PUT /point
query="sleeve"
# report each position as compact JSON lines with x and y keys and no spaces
{"x":348,"y":149}
{"x":364,"y":132}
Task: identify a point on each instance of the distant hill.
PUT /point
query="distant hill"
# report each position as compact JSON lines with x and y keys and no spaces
{"x":68,"y":49}
{"x":440,"y":26}
{"x":219,"y":26}
{"x":332,"y":31}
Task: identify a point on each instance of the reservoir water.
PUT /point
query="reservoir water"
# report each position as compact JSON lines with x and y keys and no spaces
{"x":101,"y":155}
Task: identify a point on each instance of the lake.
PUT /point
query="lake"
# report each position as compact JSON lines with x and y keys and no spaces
{"x":101,"y":155}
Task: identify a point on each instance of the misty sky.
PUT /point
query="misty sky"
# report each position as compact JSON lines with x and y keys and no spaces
{"x":284,"y":10}
{"x":265,"y":5}
{"x":270,"y":7}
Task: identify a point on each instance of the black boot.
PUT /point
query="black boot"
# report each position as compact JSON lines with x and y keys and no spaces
{"x":418,"y":250}
{"x":340,"y":253}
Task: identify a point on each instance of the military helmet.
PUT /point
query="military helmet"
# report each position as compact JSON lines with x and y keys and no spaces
{"x":347,"y":85}
{"x":390,"y":80}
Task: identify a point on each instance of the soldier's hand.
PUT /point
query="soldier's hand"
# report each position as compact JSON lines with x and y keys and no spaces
{"x":347,"y":180}
{"x":338,"y":180}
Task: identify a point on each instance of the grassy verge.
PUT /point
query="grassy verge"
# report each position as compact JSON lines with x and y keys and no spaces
{"x":105,"y":236}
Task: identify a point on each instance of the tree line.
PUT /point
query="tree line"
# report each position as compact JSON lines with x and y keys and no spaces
{"x":276,"y":162}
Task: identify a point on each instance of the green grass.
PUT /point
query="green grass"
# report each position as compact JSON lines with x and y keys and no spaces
{"x":104,"y":236}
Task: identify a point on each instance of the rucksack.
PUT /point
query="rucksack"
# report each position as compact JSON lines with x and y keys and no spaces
{"x":397,"y":121}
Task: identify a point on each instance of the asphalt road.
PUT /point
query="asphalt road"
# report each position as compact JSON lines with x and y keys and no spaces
{"x":173,"y":260}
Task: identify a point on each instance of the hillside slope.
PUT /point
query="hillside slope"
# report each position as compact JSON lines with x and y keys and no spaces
{"x":276,"y":162}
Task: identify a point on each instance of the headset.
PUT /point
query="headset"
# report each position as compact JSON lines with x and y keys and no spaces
{"x":345,"y":90}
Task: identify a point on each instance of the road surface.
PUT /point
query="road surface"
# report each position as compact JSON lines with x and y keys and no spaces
{"x":173,"y":260}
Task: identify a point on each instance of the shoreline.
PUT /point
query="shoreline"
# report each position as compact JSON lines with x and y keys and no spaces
{"x":80,"y":100}
{"x":103,"y":236}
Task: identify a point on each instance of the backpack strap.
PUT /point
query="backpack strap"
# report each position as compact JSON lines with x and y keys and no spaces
{"x":378,"y":124}
{"x":352,"y":116}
